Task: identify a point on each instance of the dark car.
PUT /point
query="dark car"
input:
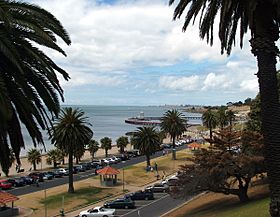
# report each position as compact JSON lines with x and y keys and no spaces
{"x":47,"y":176}
{"x":120,"y":203}
{"x":141,"y":195}
{"x":17,"y":182}
{"x":123,"y":157}
{"x":37,"y":176}
{"x":80,"y":168}
{"x":27,"y":180}
{"x":158,"y":187}
{"x":57,"y":173}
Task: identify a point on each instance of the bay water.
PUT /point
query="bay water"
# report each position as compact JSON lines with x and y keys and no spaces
{"x":110,"y":121}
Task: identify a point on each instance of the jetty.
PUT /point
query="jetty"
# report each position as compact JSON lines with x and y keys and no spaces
{"x":194,"y":119}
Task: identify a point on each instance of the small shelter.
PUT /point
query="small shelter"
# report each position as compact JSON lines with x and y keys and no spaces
{"x":194,"y":146}
{"x":5,"y":198}
{"x":108,"y":176}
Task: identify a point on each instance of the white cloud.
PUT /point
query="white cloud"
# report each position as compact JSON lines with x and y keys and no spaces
{"x":213,"y":81}
{"x":190,"y":83}
{"x":250,"y":85}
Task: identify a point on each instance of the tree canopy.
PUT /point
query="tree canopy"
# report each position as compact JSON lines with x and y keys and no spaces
{"x":228,"y":166}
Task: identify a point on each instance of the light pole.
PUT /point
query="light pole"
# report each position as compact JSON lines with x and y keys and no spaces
{"x":45,"y":202}
{"x":41,"y":151}
{"x":123,"y":180}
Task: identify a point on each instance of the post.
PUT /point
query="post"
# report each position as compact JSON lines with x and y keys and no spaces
{"x":45,"y":202}
{"x":123,"y":179}
{"x":41,"y":150}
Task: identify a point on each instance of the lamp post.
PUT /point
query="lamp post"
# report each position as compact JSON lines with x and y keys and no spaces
{"x":123,"y":179}
{"x":45,"y":202}
{"x":41,"y":151}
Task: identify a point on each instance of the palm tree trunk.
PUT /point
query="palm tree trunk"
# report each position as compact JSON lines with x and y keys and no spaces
{"x":148,"y":160}
{"x":173,"y":148}
{"x":70,"y":164}
{"x":106,"y":152}
{"x":34,"y":166}
{"x":263,"y":46}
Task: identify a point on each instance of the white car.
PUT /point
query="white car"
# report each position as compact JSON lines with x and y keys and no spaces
{"x":98,"y":212}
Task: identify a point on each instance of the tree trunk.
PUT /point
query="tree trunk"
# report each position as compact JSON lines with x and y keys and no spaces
{"x":173,"y":148}
{"x":148,"y":160}
{"x":77,"y":160}
{"x":243,"y":196}
{"x":70,"y":164}
{"x":34,"y":166}
{"x":263,"y":46}
{"x":106,"y":152}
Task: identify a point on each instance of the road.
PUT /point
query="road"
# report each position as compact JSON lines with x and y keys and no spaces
{"x":80,"y":176}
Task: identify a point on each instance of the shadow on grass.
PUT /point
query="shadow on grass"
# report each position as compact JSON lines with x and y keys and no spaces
{"x":227,"y":207}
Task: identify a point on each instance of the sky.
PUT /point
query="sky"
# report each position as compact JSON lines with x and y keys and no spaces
{"x":131,"y":52}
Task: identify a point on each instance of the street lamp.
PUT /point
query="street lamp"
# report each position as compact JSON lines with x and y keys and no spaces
{"x":123,"y":179}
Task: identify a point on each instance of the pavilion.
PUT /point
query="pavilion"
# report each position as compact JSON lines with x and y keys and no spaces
{"x":6,"y":211}
{"x":108,"y":176}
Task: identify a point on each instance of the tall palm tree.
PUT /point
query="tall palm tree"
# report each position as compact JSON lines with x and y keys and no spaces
{"x":78,"y":153}
{"x":222,"y":117}
{"x":230,"y":117}
{"x":71,"y":131}
{"x":209,"y":119}
{"x":173,"y":124}
{"x":34,"y":157}
{"x":93,"y":147}
{"x":263,"y":20}
{"x":147,"y":141}
{"x":54,"y":156}
{"x":106,"y":144}
{"x":122,"y":142}
{"x":29,"y":87}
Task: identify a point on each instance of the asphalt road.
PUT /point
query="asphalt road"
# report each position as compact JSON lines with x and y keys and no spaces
{"x":80,"y":176}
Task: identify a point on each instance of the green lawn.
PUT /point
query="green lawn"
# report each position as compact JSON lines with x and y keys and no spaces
{"x":255,"y":208}
{"x":90,"y":195}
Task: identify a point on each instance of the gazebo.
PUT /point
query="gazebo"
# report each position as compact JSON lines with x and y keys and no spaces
{"x":194,"y":145}
{"x":6,"y":211}
{"x":108,"y":176}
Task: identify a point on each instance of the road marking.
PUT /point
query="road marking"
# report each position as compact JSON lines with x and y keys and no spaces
{"x":145,"y":205}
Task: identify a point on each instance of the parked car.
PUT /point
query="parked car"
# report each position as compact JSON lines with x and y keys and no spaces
{"x":47,"y":176}
{"x":108,"y":161}
{"x":64,"y":171}
{"x":116,"y":159}
{"x":4,"y":184}
{"x":172,"y":181}
{"x":120,"y":203}
{"x":158,"y":187}
{"x":27,"y":180}
{"x":133,"y":153}
{"x":166,"y":146}
{"x":57,"y":173}
{"x":17,"y":182}
{"x":98,"y":212}
{"x":141,"y":195}
{"x":123,"y":157}
{"x":80,"y":168}
{"x":87,"y":165}
{"x":37,"y":176}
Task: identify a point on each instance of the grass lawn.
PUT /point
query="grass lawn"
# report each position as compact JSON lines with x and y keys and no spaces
{"x":220,"y":205}
{"x":137,"y":175}
{"x":256,"y":208}
{"x":90,"y":195}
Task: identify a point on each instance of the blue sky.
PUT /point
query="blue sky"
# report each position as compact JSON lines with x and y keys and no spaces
{"x":132,"y":53}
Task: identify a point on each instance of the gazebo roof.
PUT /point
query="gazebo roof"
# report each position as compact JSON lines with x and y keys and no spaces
{"x":108,"y":171}
{"x":6,"y":197}
{"x":194,"y":145}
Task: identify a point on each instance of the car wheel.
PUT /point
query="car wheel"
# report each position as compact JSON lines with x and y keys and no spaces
{"x":126,"y":207}
{"x":105,"y":216}
{"x":146,"y":198}
{"x":84,"y":215}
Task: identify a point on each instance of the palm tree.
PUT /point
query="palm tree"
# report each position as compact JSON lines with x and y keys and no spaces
{"x":209,"y":119}
{"x":71,"y":131}
{"x":173,"y":124}
{"x":222,"y":117}
{"x":34,"y":157}
{"x":106,"y":144}
{"x":147,"y":141}
{"x":78,"y":153}
{"x":6,"y":167}
{"x":29,"y":86}
{"x":93,"y":147}
{"x":230,"y":117}
{"x":122,"y":142}
{"x":54,"y":156}
{"x":263,"y":20}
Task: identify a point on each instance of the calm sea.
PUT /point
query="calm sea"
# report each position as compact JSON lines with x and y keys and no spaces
{"x":109,"y":121}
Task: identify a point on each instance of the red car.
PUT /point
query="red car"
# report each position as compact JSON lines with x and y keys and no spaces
{"x":4,"y":184}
